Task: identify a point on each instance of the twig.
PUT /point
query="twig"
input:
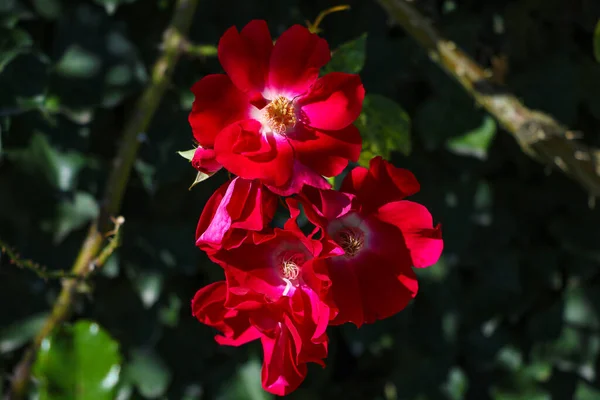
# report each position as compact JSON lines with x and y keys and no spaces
{"x":40,"y":270}
{"x":113,"y":243}
{"x":314,"y":26}
{"x":538,"y":134}
{"x":138,"y":123}
{"x":198,"y":50}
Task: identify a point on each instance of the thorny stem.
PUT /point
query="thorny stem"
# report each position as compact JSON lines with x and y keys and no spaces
{"x":40,"y":270}
{"x":539,"y":135}
{"x":138,"y":122}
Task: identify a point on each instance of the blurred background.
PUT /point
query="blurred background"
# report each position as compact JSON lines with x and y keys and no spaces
{"x":512,"y":309}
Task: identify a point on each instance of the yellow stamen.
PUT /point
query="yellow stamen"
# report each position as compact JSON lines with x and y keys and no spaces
{"x":351,"y":241}
{"x":290,"y":269}
{"x":280,"y":115}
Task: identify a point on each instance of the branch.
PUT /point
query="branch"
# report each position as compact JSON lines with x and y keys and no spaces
{"x":539,"y":135}
{"x":89,"y":256}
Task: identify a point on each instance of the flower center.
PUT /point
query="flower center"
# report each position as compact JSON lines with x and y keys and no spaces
{"x":280,"y":115}
{"x":290,"y":269}
{"x":351,"y":240}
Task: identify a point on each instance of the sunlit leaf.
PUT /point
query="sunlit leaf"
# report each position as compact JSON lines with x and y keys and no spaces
{"x":79,"y":362}
{"x":78,"y":63}
{"x":18,"y":333}
{"x":111,"y":5}
{"x":246,"y":385}
{"x":384,"y":126}
{"x":456,"y":384}
{"x":349,"y":57}
{"x":475,"y":143}
{"x":169,"y":314}
{"x":187,"y":154}
{"x":149,"y":286}
{"x":148,"y":373}
{"x":74,"y":214}
{"x":586,"y":392}
{"x":40,"y":158}
{"x":200,"y":177}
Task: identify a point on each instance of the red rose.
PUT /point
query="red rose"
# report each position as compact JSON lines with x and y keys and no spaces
{"x":205,"y":160}
{"x":238,"y":206}
{"x":382,"y":237}
{"x":291,"y":330}
{"x":271,"y":117}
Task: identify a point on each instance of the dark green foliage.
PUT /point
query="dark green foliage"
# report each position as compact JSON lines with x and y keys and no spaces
{"x":511,"y":311}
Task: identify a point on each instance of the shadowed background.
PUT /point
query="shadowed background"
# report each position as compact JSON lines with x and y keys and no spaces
{"x":512,"y":309}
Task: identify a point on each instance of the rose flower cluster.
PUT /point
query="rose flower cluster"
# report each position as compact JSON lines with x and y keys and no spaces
{"x":279,"y":129}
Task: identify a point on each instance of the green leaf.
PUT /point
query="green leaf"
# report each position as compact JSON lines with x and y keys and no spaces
{"x":11,"y":12}
{"x":597,"y":42}
{"x":146,"y":172}
{"x":49,"y":9}
{"x":79,"y":362}
{"x":148,"y":285}
{"x":17,"y":334}
{"x":475,"y":143}
{"x":384,"y":126}
{"x":169,"y":313}
{"x":200,"y":177}
{"x":78,"y":63}
{"x":246,"y":385}
{"x":456,"y":384}
{"x":148,"y":373}
{"x":74,"y":214}
{"x":13,"y":42}
{"x":187,"y":154}
{"x":586,"y":392}
{"x":349,"y":57}
{"x":111,"y":5}
{"x":40,"y":158}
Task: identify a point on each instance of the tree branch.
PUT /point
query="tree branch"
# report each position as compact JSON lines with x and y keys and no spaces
{"x":539,"y":135}
{"x":138,"y":122}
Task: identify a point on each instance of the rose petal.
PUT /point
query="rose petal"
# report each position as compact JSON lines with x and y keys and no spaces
{"x":244,"y":151}
{"x":382,"y":183}
{"x":301,"y":176}
{"x":258,"y":266}
{"x":217,"y":104}
{"x":367,"y":288}
{"x":333,"y":102}
{"x":322,"y":206}
{"x":237,"y":205}
{"x":205,"y":160}
{"x":245,"y":56}
{"x":327,"y":152}
{"x":424,"y":242}
{"x":295,"y":62}
{"x":208,"y":307}
{"x":280,"y":375}
{"x":298,"y":338}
